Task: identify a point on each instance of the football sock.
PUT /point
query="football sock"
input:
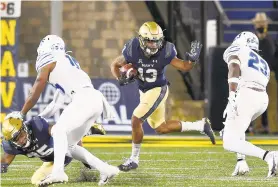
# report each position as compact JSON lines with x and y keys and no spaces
{"x":240,"y":156}
{"x":83,"y":155}
{"x":135,"y":151}
{"x":60,"y":149}
{"x":244,"y":147}
{"x":190,"y":126}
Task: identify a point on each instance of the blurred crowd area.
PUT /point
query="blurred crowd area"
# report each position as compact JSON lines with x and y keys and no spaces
{"x":95,"y":31}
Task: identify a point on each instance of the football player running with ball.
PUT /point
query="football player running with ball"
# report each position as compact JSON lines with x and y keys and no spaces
{"x":149,"y":55}
{"x":247,"y":100}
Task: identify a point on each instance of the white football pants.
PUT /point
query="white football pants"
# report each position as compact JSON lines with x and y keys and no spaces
{"x":250,"y":105}
{"x":73,"y":124}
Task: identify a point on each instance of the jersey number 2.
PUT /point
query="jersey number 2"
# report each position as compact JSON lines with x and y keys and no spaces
{"x":258,"y":64}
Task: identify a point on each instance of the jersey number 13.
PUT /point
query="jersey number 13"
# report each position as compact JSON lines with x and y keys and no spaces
{"x":150,"y":75}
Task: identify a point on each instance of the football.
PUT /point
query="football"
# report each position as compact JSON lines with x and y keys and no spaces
{"x":128,"y":70}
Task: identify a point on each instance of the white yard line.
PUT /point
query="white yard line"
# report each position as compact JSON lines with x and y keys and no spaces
{"x":13,"y":178}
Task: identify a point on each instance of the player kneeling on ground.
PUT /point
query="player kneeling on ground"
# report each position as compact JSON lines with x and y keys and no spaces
{"x":32,"y":138}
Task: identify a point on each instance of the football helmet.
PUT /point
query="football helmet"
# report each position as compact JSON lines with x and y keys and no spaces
{"x":12,"y":129}
{"x":248,"y":39}
{"x":151,"y":38}
{"x":51,"y":43}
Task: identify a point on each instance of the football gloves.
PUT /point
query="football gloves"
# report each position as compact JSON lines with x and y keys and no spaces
{"x":15,"y":114}
{"x":123,"y":80}
{"x":195,"y":51}
{"x":4,"y":167}
{"x":231,"y":108}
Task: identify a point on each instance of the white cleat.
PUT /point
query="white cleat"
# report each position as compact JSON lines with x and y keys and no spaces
{"x":51,"y":178}
{"x":241,"y":168}
{"x":272,"y":161}
{"x":110,"y":174}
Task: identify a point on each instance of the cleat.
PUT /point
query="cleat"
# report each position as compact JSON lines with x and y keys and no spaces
{"x":208,"y":130}
{"x":51,"y":179}
{"x":110,"y":174}
{"x":272,"y":161}
{"x":128,"y":165}
{"x":96,"y":129}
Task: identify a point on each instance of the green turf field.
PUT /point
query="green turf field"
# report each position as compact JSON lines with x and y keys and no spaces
{"x":178,"y":166}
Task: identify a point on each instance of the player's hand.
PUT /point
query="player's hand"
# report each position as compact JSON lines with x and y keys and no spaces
{"x":231,"y":107}
{"x":221,"y":134}
{"x":123,"y":80}
{"x":15,"y":114}
{"x":241,"y":168}
{"x":4,"y":168}
{"x":195,"y":51}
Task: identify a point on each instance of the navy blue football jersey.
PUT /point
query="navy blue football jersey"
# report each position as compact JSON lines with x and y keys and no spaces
{"x":42,"y":142}
{"x":151,"y":70}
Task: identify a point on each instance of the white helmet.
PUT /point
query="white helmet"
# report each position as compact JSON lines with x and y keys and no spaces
{"x":51,"y":43}
{"x":248,"y":39}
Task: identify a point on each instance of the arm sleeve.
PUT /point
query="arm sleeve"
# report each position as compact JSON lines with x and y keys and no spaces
{"x":231,"y":51}
{"x":127,"y":51}
{"x":56,"y":104}
{"x":9,"y":149}
{"x":170,"y":52}
{"x":43,"y":60}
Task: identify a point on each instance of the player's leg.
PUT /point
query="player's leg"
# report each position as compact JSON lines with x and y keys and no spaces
{"x":107,"y":172}
{"x":241,"y":167}
{"x":157,"y":121}
{"x":73,"y":117}
{"x":149,"y":101}
{"x":42,"y":172}
{"x":235,"y":127}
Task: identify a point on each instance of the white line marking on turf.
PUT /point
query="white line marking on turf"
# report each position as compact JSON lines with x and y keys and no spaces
{"x":15,"y":178}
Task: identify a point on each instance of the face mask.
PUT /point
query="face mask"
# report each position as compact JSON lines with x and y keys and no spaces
{"x":260,"y":30}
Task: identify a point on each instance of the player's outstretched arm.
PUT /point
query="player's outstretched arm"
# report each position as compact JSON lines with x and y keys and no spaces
{"x":116,"y":65}
{"x":6,"y":160}
{"x":37,"y":88}
{"x":181,"y":64}
{"x":191,"y":58}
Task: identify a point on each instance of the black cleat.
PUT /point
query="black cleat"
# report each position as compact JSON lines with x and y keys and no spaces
{"x":208,"y":131}
{"x":128,"y":165}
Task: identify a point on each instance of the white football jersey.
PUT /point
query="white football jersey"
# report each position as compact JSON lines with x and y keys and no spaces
{"x":254,"y":69}
{"x":67,"y":74}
